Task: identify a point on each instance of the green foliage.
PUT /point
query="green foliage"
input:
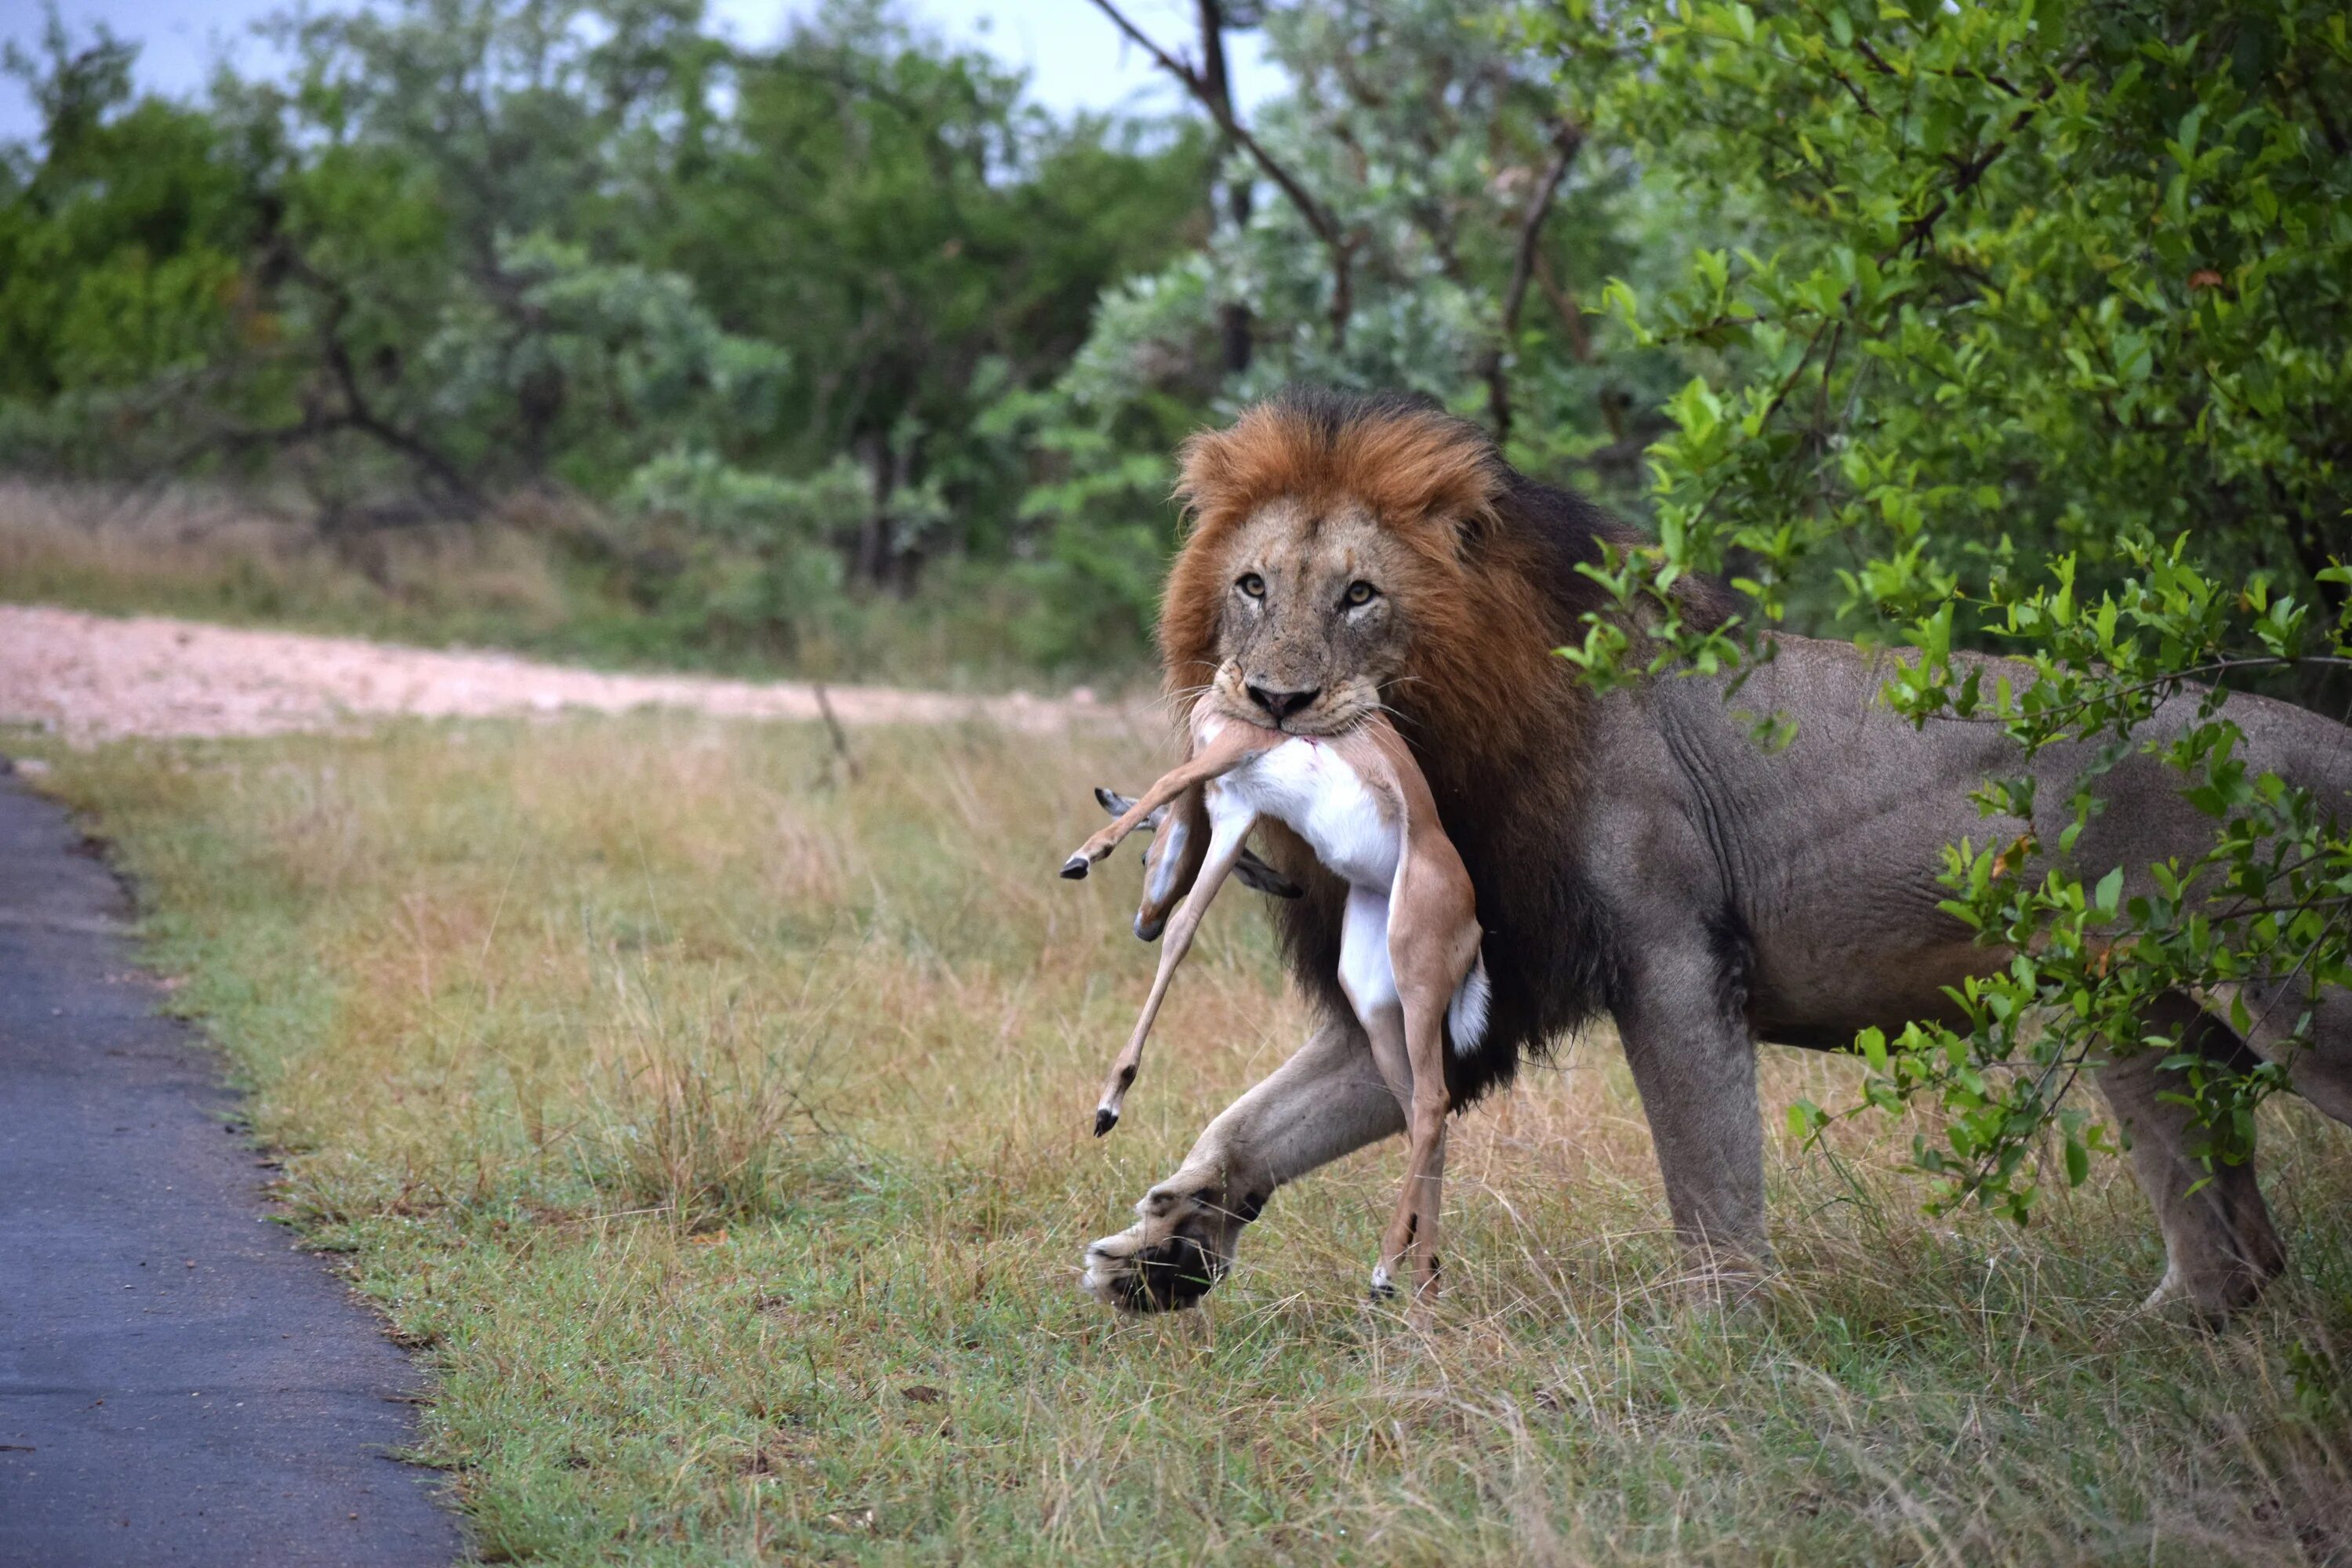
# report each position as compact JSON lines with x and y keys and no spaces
{"x":462,"y":249}
{"x":119,"y":248}
{"x":2041,"y":342}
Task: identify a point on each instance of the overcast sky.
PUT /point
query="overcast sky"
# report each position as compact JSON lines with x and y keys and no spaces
{"x":1075,"y":58}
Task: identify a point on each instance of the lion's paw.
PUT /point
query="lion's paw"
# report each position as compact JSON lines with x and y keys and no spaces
{"x":1168,"y":1259}
{"x":2211,"y":1300}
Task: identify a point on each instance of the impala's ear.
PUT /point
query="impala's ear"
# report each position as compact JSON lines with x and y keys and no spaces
{"x":1118,"y":805}
{"x":1256,"y":873}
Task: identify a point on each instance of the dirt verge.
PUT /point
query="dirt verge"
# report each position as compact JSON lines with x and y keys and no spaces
{"x":98,"y":678}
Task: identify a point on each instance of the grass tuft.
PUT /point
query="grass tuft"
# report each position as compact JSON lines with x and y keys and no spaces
{"x":694,"y":1111}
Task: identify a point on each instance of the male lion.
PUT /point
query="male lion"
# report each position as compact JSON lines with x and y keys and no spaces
{"x":1635,"y":851}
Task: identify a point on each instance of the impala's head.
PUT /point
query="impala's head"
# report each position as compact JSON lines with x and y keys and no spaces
{"x":1341,"y":556}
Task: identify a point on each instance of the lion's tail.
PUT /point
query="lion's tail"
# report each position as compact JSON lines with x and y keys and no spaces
{"x":1465,"y":1016}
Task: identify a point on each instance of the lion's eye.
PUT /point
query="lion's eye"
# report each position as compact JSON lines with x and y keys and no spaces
{"x":1360,"y":592}
{"x":1253,"y":584}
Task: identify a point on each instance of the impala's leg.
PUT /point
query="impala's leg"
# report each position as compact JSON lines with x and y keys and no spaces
{"x":1367,"y":976}
{"x":1113,"y":834}
{"x":1326,"y":1102}
{"x":1224,"y":752}
{"x":1173,"y":864}
{"x":1225,"y":848}
{"x":1430,"y":956}
{"x":1370,"y":982}
{"x":1414,"y":1227}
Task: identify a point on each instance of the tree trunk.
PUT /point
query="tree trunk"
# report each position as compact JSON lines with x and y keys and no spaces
{"x":1233,"y":323}
{"x":874,"y":535}
{"x":1526,"y":258}
{"x":903,"y":560}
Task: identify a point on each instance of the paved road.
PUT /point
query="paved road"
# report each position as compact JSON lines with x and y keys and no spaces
{"x":177,"y":1384}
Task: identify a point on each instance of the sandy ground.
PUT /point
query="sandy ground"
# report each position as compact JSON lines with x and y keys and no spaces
{"x":99,"y":677}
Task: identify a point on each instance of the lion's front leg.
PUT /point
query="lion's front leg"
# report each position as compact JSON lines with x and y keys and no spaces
{"x":1694,"y":1064}
{"x":1329,"y":1099}
{"x":1169,"y":1258}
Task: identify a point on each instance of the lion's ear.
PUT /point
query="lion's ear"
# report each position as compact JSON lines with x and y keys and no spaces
{"x":1474,"y":527}
{"x":1204,"y":475}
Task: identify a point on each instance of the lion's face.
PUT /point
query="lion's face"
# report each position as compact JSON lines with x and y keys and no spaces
{"x":1349,"y":553}
{"x":1312,"y":627}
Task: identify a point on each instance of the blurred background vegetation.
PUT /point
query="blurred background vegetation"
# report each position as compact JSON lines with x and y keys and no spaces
{"x":584,"y":327}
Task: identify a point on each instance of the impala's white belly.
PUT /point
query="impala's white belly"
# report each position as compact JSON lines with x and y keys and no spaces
{"x":1304,"y":785}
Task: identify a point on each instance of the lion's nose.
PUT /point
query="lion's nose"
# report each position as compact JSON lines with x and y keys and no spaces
{"x":1283,"y":704}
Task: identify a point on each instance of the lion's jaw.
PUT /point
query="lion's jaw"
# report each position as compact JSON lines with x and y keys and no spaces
{"x":1315,"y":618}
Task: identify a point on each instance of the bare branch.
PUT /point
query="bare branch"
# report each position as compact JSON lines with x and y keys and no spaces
{"x":1318,"y":218}
{"x":1143,"y":40}
{"x":1564,"y":306}
{"x":1567,"y":139}
{"x":357,"y":414}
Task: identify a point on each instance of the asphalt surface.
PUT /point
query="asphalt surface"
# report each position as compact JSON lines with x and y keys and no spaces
{"x":177,"y":1383}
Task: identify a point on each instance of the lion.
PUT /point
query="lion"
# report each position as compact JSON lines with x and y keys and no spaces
{"x":1635,"y":852}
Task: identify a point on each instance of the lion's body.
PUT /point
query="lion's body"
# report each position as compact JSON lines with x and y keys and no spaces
{"x":1636,"y":852}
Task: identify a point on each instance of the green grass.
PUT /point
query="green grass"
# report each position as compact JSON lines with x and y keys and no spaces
{"x":717,"y":1130}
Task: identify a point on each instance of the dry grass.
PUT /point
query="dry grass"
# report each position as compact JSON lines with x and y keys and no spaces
{"x":185,"y":550}
{"x":720,"y":1130}
{"x":540,"y":575}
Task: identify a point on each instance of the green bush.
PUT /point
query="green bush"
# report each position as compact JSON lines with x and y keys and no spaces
{"x":2040,"y":343}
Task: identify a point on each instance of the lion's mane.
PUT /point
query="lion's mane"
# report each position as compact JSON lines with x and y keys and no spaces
{"x":1494,"y":717}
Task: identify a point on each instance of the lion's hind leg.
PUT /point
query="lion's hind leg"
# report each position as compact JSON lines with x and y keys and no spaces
{"x":2220,"y":1248}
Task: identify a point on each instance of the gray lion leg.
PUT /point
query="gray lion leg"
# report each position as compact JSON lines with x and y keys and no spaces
{"x":1694,"y":1062}
{"x":1329,"y":1099}
{"x":2219,"y":1248}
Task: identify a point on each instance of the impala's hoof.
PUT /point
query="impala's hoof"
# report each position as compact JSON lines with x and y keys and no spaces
{"x":1105,"y":1120}
{"x":1074,"y":867}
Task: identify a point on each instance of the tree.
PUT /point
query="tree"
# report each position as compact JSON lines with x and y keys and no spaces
{"x":1399,"y":116}
{"x":2040,"y":340}
{"x":926,"y":241}
{"x":1425,"y":214}
{"x":120,"y":247}
{"x":463,"y":248}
